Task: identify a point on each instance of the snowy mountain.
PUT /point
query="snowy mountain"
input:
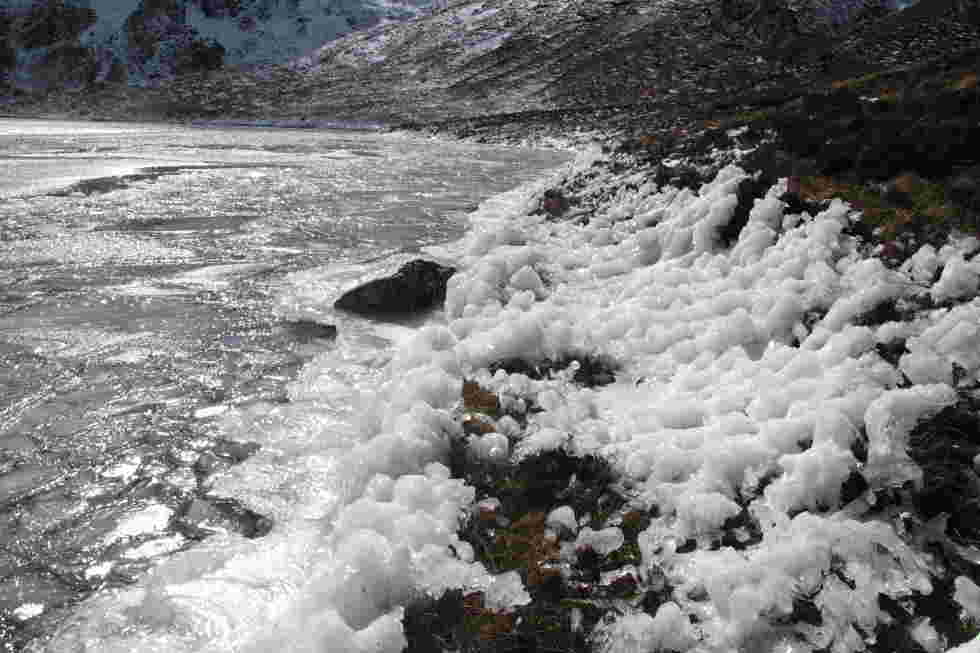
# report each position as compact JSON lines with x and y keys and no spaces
{"x":75,"y":42}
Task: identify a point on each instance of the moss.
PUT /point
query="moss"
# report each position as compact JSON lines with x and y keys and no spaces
{"x":628,"y":554}
{"x":526,"y":548}
{"x":889,"y":96}
{"x":478,"y":400}
{"x":963,"y":82}
{"x":925,"y":203}
{"x":746,"y":117}
{"x":634,"y":522}
{"x":857,"y":82}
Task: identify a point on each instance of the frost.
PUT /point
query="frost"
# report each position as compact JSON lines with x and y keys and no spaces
{"x":968,"y":596}
{"x":506,"y":590}
{"x":563,"y":517}
{"x":603,"y":542}
{"x":669,"y":630}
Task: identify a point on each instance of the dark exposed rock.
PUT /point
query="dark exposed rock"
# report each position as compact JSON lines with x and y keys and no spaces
{"x":741,"y":531}
{"x":944,"y":447}
{"x":965,"y":188}
{"x":854,"y":486}
{"x":592,"y":371}
{"x":310,"y":331}
{"x":749,"y":190}
{"x":554,"y":204}
{"x":199,"y":55}
{"x":417,"y":286}
{"x":68,"y":65}
{"x":886,"y":311}
{"x":48,"y":23}
{"x":202,"y":515}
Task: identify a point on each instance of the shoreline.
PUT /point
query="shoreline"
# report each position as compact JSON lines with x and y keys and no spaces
{"x":781,"y":374}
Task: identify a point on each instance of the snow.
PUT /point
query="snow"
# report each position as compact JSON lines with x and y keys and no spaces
{"x":968,"y":596}
{"x":668,"y":630}
{"x":151,"y":519}
{"x":603,"y":542}
{"x":27,"y":611}
{"x":973,"y":646}
{"x":562,"y":517}
{"x":728,"y":403}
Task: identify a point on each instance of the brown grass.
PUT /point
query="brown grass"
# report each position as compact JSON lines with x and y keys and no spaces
{"x":525,"y":543}
{"x":478,"y":400}
{"x":966,"y":82}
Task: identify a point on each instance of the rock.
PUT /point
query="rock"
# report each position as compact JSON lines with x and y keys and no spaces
{"x":202,"y":516}
{"x":48,"y":23}
{"x":554,"y":203}
{"x":589,"y":370}
{"x":66,"y":65}
{"x":944,"y":447}
{"x":965,"y":188}
{"x":310,"y":331}
{"x":749,"y":190}
{"x":417,"y":286}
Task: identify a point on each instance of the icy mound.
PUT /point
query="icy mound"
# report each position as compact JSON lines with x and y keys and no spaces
{"x":752,"y":390}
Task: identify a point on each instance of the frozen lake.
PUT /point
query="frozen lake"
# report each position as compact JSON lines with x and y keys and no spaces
{"x":153,"y":284}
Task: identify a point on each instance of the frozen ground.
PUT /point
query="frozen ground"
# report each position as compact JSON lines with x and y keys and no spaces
{"x":747,"y":381}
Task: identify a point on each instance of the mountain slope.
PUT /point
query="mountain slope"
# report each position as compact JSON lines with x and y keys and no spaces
{"x":50,"y":43}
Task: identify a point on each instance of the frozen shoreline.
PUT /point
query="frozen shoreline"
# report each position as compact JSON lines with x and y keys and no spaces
{"x":745,"y":395}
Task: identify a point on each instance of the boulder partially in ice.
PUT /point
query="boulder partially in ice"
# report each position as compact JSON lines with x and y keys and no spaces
{"x":417,"y":286}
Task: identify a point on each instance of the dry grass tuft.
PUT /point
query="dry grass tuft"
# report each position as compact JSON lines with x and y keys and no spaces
{"x":966,"y":82}
{"x":478,"y":400}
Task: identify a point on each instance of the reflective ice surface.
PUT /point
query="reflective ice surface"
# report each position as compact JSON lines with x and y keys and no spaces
{"x":151,"y":280}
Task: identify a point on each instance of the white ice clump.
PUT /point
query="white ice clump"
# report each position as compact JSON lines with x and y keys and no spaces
{"x":603,"y":541}
{"x":889,"y":420}
{"x":27,"y":611}
{"x":562,"y":517}
{"x":959,"y":279}
{"x":506,"y":591}
{"x":927,"y":637}
{"x":968,"y":596}
{"x":953,"y":338}
{"x":973,"y":646}
{"x":668,"y":630}
{"x":490,"y":447}
{"x":811,"y":479}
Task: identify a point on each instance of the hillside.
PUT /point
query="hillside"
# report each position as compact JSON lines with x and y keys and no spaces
{"x":56,"y":44}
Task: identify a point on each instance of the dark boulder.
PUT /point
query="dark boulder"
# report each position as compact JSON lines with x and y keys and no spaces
{"x":965,"y":188}
{"x":945,"y":447}
{"x":417,"y":286}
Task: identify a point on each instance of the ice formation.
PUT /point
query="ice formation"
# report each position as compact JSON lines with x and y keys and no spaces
{"x":737,"y":365}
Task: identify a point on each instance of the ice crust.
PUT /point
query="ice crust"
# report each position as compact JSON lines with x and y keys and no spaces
{"x":722,"y":384}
